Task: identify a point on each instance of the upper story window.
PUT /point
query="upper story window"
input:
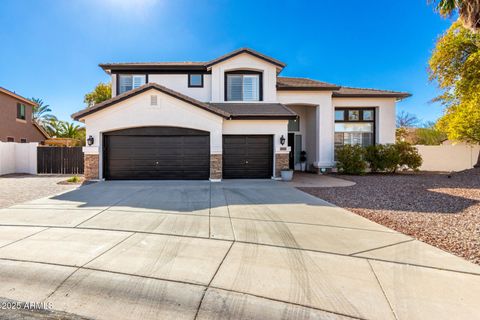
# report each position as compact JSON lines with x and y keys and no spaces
{"x":243,"y":86}
{"x":294,"y":125}
{"x":127,"y":82}
{"x":195,"y":80}
{"x":20,"y":111}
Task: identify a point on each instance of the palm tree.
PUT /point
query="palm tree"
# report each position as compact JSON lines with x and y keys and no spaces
{"x":41,"y":112}
{"x":69,"y":130}
{"x":468,"y":10}
{"x":53,"y":127}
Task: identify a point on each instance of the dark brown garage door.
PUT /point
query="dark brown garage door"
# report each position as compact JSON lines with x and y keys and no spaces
{"x":249,"y":157}
{"x":157,"y":153}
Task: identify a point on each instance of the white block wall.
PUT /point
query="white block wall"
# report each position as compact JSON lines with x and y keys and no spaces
{"x":18,"y":158}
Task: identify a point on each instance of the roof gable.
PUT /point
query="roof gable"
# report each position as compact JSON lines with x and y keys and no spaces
{"x":247,"y":51}
{"x":127,"y":95}
{"x":17,"y":96}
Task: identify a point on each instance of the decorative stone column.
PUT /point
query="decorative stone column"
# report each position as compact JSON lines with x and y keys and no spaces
{"x":281,"y":161}
{"x":215,"y":167}
{"x":91,"y":166}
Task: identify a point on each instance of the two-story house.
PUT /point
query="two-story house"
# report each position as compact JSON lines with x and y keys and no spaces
{"x":16,"y":123}
{"x":232,"y":117}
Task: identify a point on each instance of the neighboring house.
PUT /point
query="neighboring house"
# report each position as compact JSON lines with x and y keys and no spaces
{"x":232,"y":117}
{"x":16,"y":123}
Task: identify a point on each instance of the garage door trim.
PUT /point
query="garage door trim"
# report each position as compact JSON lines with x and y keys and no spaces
{"x":160,"y":131}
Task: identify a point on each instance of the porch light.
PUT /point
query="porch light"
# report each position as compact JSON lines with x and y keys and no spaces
{"x":90,"y":140}
{"x":282,"y":140}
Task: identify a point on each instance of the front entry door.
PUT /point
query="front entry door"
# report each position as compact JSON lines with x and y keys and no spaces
{"x":291,"y":155}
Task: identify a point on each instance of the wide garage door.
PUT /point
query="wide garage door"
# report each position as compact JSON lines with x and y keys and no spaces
{"x":247,"y":156}
{"x":157,"y":153}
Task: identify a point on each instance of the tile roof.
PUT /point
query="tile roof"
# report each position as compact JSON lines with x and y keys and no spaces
{"x":249,"y":51}
{"x":366,"y":92}
{"x":145,"y":87}
{"x":187,"y":65}
{"x":17,"y":96}
{"x":256,"y":110}
{"x":289,"y":83}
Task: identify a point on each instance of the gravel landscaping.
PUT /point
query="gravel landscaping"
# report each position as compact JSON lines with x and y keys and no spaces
{"x":440,"y":209}
{"x":18,"y":188}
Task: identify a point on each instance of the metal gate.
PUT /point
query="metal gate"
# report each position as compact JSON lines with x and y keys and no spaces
{"x":60,"y":160}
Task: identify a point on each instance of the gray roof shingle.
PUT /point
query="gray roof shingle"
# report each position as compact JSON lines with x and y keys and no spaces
{"x":366,"y":92}
{"x":256,"y":110}
{"x":289,"y":83}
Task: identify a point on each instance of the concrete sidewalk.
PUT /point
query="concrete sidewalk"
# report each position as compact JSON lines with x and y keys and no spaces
{"x":230,"y":250}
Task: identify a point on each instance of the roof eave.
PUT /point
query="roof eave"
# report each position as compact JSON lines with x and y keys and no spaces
{"x":308,"y":88}
{"x":230,"y":55}
{"x":262,"y":117}
{"x":85,"y":112}
{"x":379,"y":95}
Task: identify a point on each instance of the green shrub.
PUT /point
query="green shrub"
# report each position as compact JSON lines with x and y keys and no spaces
{"x":350,"y":159}
{"x":74,"y":179}
{"x":382,"y":157}
{"x":408,"y":156}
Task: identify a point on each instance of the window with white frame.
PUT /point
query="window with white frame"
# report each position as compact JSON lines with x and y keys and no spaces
{"x":243,"y":86}
{"x":127,"y":82}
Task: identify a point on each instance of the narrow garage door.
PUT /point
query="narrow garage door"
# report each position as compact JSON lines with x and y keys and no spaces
{"x":157,"y":153}
{"x":249,"y":157}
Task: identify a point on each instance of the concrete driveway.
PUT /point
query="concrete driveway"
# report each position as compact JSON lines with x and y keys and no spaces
{"x":229,"y":250}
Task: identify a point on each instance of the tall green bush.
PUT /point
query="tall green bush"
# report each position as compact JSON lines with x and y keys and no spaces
{"x":382,"y":157}
{"x":379,"y":158}
{"x":408,"y":156}
{"x":350,"y":159}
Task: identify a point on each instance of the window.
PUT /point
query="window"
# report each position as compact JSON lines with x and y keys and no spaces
{"x":127,"y":82}
{"x":243,"y":86}
{"x":353,"y":115}
{"x":339,"y":115}
{"x":294,"y":125}
{"x":368,"y":115}
{"x":195,"y":80}
{"x":23,"y":140}
{"x":10,"y":139}
{"x":358,"y":128}
{"x":20,"y":111}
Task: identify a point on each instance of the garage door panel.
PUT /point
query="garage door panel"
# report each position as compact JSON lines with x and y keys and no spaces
{"x":247,"y":156}
{"x":162,"y":157}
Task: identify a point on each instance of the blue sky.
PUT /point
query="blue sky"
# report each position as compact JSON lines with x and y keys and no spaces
{"x":51,"y":48}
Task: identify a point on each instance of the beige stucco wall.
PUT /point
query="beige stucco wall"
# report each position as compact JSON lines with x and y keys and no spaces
{"x":448,"y":157}
{"x":244,"y":61}
{"x":179,"y":83}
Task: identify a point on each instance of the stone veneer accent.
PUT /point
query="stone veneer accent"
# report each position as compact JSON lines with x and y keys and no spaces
{"x":281,"y":161}
{"x":91,"y":166}
{"x":215,"y":166}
